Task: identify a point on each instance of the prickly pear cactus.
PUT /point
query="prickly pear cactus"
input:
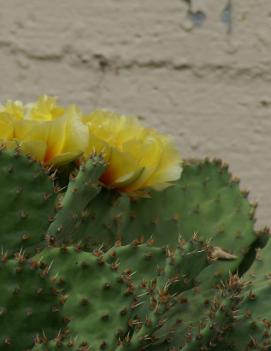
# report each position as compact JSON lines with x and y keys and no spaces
{"x":110,"y":242}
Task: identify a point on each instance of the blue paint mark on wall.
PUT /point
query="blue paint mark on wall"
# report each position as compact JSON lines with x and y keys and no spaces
{"x":197,"y":17}
{"x":226,"y":15}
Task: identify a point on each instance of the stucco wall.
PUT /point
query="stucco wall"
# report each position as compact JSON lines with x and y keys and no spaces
{"x":199,"y":69}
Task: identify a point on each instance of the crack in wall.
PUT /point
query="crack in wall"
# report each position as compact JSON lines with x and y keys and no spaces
{"x":103,"y":65}
{"x":116,"y":65}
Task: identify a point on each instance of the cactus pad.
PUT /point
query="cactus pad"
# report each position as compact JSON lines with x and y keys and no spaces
{"x":26,"y":205}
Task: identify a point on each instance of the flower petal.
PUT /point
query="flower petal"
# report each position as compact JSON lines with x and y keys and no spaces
{"x":97,"y":146}
{"x":148,"y":153}
{"x":76,"y":133}
{"x":6,"y":126}
{"x":45,"y":109}
{"x":62,"y":159}
{"x":34,"y":148}
{"x":122,"y":169}
{"x":56,"y":138}
{"x":170,"y":166}
{"x":14,"y":108}
{"x":30,"y":130}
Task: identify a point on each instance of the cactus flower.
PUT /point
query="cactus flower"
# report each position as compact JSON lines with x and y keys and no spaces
{"x":46,"y":131}
{"x":138,"y":157}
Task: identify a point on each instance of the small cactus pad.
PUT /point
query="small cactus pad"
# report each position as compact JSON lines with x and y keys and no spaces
{"x":81,"y":190}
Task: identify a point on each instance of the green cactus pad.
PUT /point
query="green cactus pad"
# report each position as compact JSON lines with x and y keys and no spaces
{"x":26,"y":205}
{"x":99,"y":300}
{"x":29,"y":304}
{"x":206,"y":200}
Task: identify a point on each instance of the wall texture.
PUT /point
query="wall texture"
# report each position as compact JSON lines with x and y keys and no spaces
{"x":198,"y":69}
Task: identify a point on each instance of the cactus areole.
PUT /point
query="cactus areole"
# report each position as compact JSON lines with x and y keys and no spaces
{"x":110,"y":242}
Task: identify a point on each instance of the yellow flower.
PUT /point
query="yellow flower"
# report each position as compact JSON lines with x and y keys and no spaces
{"x":46,"y":131}
{"x":138,"y":158}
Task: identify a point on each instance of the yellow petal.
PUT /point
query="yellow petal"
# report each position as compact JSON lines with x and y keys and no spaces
{"x":56,"y":138}
{"x":14,"y":108}
{"x":68,"y":137}
{"x":122,"y":168}
{"x":76,"y":133}
{"x":45,"y":109}
{"x":62,"y":159}
{"x":48,"y":133}
{"x":35,"y":148}
{"x":112,"y":128}
{"x":6,"y":126}
{"x":170,"y":166}
{"x":148,"y":153}
{"x":30,"y":130}
{"x":97,"y":146}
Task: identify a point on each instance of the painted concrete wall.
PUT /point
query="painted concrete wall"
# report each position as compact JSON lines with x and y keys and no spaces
{"x":198,"y":69}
